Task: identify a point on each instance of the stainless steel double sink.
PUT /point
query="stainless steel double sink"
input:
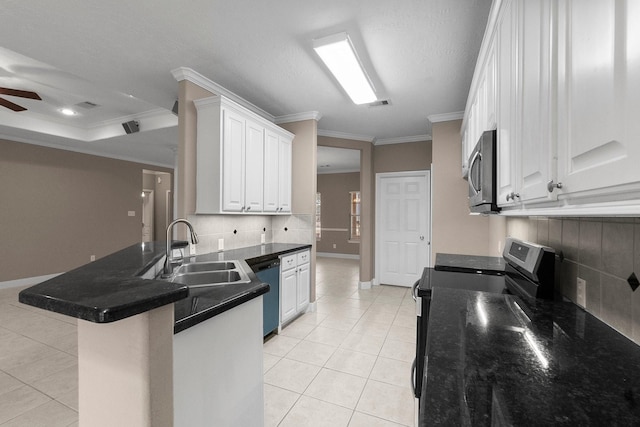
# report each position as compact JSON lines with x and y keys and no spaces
{"x":209,"y":273}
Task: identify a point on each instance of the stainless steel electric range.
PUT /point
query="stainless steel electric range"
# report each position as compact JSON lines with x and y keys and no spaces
{"x":525,"y":269}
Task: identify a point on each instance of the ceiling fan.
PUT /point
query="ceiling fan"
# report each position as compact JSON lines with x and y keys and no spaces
{"x":19,"y":93}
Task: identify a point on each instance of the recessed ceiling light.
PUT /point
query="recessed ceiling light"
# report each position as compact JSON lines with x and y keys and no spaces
{"x":340,"y":57}
{"x":68,"y":112}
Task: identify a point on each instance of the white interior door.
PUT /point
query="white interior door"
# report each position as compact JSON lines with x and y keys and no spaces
{"x":403,"y":232}
{"x":147,"y":215}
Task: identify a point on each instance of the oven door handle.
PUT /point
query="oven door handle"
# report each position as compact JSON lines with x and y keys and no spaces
{"x":414,"y":290}
{"x":413,"y":376}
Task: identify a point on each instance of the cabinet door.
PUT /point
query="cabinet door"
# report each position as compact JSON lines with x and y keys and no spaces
{"x":304,"y":283}
{"x":271,"y":172}
{"x":254,"y":167}
{"x":598,"y":96}
{"x":284,"y":175}
{"x":288,"y":291}
{"x":233,"y":145}
{"x":534,"y":129}
{"x":507,"y":70}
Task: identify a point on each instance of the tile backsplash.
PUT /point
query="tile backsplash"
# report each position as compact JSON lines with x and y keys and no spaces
{"x":240,"y":231}
{"x":602,"y":251}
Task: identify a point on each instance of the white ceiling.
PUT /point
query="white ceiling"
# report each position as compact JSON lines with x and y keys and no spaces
{"x":420,"y":54}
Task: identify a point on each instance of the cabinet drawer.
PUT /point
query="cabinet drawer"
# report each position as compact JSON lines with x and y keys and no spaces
{"x":288,"y":262}
{"x":303,"y":257}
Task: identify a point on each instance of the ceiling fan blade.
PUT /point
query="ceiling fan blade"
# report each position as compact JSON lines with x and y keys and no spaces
{"x":10,"y":105}
{"x":19,"y":93}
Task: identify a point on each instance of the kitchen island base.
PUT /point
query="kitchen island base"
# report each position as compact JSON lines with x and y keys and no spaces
{"x":217,"y":370}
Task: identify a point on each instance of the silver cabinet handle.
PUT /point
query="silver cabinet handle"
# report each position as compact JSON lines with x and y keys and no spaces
{"x":513,"y":196}
{"x":421,"y":237}
{"x":248,"y":207}
{"x":552,"y":185}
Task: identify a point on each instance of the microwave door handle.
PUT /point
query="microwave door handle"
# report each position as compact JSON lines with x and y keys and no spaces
{"x":476,"y":156}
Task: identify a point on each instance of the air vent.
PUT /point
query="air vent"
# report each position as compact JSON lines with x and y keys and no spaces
{"x":380,"y":103}
{"x":87,"y":105}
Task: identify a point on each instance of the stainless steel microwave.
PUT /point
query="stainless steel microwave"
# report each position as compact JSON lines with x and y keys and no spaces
{"x":483,"y":196}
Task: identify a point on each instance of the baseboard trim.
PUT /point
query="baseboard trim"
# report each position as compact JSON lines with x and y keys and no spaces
{"x":27,"y":281}
{"x":364,"y":285}
{"x":336,"y":255}
{"x":311,"y":308}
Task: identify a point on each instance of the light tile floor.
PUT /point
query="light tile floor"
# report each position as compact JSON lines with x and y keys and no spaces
{"x":347,"y":364}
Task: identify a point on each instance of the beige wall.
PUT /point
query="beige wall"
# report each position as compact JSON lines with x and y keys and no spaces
{"x":410,"y":156}
{"x":303,"y":178}
{"x":187,"y":139}
{"x":453,"y":229}
{"x":335,"y":215}
{"x":367,"y":191}
{"x":60,"y":207}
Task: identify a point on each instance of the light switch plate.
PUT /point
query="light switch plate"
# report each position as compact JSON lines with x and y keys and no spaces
{"x":220,"y":244}
{"x":262,"y":239}
{"x":581,"y":293}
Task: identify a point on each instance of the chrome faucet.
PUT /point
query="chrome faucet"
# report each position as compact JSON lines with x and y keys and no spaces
{"x":168,"y":267}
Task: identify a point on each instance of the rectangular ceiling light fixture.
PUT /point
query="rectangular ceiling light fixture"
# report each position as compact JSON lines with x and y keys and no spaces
{"x":340,"y":57}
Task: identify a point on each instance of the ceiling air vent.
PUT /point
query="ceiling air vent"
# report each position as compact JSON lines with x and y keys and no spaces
{"x":87,"y":105}
{"x":379,"y":103}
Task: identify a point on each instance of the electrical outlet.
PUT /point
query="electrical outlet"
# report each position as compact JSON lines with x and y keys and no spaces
{"x":192,"y":249}
{"x":262,"y":238}
{"x":334,"y":246}
{"x":131,"y":213}
{"x":581,"y":293}
{"x":220,"y":244}
{"x":92,"y":258}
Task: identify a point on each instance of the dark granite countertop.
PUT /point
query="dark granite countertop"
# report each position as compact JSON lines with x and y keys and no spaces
{"x":204,"y":303}
{"x":499,"y":360}
{"x":457,"y":262}
{"x":112,"y":288}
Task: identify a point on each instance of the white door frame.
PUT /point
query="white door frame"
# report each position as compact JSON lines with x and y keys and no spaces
{"x":151,"y":197}
{"x":378,"y":249}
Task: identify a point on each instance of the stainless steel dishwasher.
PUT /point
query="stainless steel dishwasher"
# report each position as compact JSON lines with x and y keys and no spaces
{"x":269,"y":272}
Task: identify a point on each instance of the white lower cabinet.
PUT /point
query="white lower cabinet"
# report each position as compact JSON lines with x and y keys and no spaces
{"x":295,"y":282}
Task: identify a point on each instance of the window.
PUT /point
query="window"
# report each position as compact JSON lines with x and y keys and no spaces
{"x":355,"y":215}
{"x":318,"y":221}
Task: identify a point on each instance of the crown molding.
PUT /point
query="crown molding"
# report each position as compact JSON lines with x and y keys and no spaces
{"x":298,"y":117}
{"x":402,"y":140}
{"x":445,"y":117}
{"x":82,"y":150}
{"x":185,"y":73}
{"x":342,"y":135}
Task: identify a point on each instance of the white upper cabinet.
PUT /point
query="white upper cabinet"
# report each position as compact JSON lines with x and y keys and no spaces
{"x":567,"y":105}
{"x":599,"y":99}
{"x":234,"y":161}
{"x":534,"y":109}
{"x":507,"y":149}
{"x":277,"y":173}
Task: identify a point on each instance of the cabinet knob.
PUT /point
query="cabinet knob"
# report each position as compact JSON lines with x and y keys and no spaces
{"x":552,"y":185}
{"x":513,"y":196}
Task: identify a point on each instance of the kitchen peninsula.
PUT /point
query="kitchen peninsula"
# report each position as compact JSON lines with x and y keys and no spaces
{"x":129,"y":360}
